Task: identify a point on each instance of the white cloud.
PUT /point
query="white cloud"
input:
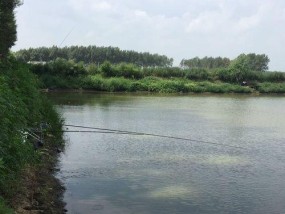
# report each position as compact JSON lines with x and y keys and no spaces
{"x":247,"y":23}
{"x":140,"y":13}
{"x":101,"y":6}
{"x":86,"y":7}
{"x":206,"y":23}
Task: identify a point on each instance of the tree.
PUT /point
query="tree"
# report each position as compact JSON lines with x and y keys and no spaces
{"x":205,"y":63}
{"x":8,"y":31}
{"x":255,"y":62}
{"x":246,"y":67}
{"x":239,"y":68}
{"x":92,"y":54}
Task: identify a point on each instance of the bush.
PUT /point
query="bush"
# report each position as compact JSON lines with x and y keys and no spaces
{"x":235,"y":75}
{"x":107,"y":69}
{"x":128,"y":71}
{"x":223,"y":74}
{"x":93,"y":69}
{"x":93,"y":83}
{"x":60,"y":67}
{"x":268,"y":87}
{"x":117,"y":84}
{"x":138,"y":86}
{"x":164,"y":72}
{"x":197,"y":74}
{"x":272,"y":76}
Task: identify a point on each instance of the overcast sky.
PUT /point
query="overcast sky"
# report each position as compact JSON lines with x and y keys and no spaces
{"x":177,"y":28}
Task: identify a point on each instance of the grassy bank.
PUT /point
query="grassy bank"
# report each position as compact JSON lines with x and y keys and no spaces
{"x":155,"y":84}
{"x":63,"y":74}
{"x":22,"y":107}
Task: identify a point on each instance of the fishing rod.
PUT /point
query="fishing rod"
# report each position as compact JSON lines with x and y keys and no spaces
{"x":116,"y":131}
{"x":66,"y":37}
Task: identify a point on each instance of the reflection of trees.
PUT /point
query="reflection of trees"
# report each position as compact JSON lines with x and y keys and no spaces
{"x":93,"y":99}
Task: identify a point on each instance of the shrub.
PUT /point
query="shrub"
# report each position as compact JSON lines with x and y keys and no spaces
{"x":164,"y":72}
{"x":197,"y":74}
{"x":268,"y":87}
{"x":92,"y":69}
{"x":272,"y":76}
{"x":117,"y":84}
{"x":107,"y":69}
{"x":60,"y":66}
{"x":128,"y":71}
{"x":93,"y":82}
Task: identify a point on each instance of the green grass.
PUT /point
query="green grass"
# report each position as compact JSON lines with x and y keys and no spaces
{"x":147,"y":84}
{"x":269,"y":87}
{"x":4,"y":208}
{"x":63,"y":74}
{"x":22,"y":106}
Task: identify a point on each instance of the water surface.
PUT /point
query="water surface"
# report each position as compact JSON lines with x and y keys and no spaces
{"x":107,"y":173}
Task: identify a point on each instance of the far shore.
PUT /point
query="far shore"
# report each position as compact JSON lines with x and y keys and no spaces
{"x":58,"y":90}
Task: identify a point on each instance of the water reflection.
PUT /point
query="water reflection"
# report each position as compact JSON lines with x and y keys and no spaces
{"x":141,"y":174}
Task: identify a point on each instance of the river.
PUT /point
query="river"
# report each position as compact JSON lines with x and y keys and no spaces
{"x":118,"y":173}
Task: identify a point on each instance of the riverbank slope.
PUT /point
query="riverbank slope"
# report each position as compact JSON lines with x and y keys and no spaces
{"x":27,"y":181}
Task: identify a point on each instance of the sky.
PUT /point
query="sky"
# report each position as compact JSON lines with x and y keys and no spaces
{"x":180,"y":29}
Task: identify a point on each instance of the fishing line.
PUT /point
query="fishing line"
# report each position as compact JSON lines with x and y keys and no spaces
{"x":66,"y":37}
{"x":100,"y":132}
{"x":116,"y":131}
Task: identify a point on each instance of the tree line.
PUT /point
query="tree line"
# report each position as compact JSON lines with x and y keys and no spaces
{"x":206,"y":62}
{"x":8,"y":32}
{"x":93,"y":54}
{"x":252,"y":61}
{"x":238,"y":71}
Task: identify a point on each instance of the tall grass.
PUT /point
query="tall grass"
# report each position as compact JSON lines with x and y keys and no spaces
{"x":21,"y":107}
{"x":129,"y":77}
{"x":155,"y":84}
{"x":268,"y":87}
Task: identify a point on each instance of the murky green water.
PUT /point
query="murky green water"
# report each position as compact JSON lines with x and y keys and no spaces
{"x":106,"y":173}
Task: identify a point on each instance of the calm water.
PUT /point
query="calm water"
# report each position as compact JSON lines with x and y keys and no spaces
{"x":106,"y":173}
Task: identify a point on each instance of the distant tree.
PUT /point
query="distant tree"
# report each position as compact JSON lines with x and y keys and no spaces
{"x":246,"y":67}
{"x":239,"y":68}
{"x":107,"y":69}
{"x":254,"y":62}
{"x":205,"y":63}
{"x":94,"y":54}
{"x":8,"y":31}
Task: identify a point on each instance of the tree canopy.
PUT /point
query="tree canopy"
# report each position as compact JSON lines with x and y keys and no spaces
{"x":93,"y":54}
{"x":8,"y":31}
{"x":248,"y":62}
{"x":253,"y":62}
{"x":206,"y":62}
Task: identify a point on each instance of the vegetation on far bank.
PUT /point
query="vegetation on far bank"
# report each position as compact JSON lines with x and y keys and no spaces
{"x":66,"y":74}
{"x":111,"y":69}
{"x":93,"y":54}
